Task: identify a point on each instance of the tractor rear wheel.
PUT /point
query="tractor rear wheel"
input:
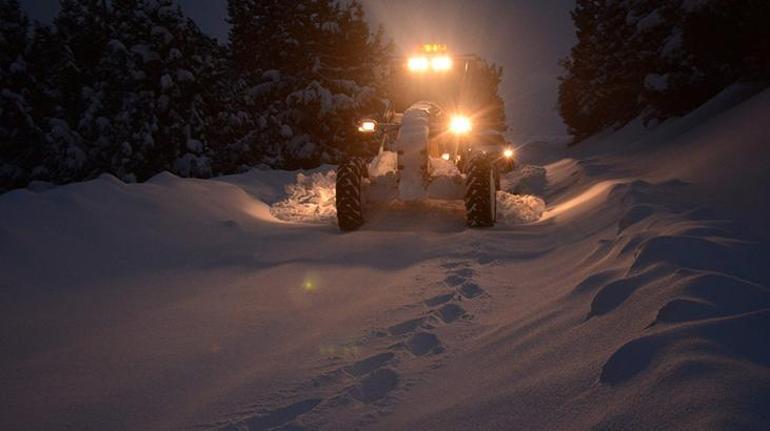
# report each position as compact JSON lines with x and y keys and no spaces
{"x":481,"y":192}
{"x":349,"y":197}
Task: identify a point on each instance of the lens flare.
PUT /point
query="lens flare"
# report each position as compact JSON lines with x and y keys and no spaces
{"x":309,"y":283}
{"x":508,"y":153}
{"x":460,"y":125}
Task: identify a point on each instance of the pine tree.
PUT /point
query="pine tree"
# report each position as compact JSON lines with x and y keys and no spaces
{"x":20,"y":137}
{"x":601,"y":85}
{"x":658,"y":58}
{"x":307,"y":69}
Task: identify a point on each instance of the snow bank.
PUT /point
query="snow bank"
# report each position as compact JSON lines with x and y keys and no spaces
{"x":516,"y":209}
{"x":311,"y":199}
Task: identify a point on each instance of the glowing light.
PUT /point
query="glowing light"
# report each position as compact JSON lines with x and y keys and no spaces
{"x":418,"y":64}
{"x":508,"y":153}
{"x":460,"y":125}
{"x":308,"y":285}
{"x":367,"y":126}
{"x":433,"y":48}
{"x":441,"y":63}
{"x":446,"y":156}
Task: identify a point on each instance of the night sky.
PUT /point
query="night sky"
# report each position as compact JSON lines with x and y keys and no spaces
{"x":526,"y":37}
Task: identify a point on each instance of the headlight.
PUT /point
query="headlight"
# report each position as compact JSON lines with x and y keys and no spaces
{"x":441,"y":63}
{"x":460,"y":125}
{"x":367,"y":126}
{"x":508,"y":153}
{"x":418,"y":64}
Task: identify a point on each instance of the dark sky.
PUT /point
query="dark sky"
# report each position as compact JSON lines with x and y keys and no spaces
{"x":526,"y":37}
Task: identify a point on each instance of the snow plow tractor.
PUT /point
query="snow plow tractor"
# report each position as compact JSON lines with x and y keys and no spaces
{"x":430,"y":144}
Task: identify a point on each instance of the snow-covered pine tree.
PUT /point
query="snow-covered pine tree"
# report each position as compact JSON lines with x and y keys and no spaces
{"x":145,"y":110}
{"x":600,"y":87}
{"x":306,"y":68}
{"x":345,"y":82}
{"x":187,"y":64}
{"x":703,"y":47}
{"x":658,"y":58}
{"x":576,"y":101}
{"x":21,"y":139}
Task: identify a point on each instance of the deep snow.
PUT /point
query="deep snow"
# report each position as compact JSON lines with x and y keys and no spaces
{"x":637,"y":300}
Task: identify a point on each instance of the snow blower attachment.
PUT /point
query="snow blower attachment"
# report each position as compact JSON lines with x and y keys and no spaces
{"x":430,"y":147}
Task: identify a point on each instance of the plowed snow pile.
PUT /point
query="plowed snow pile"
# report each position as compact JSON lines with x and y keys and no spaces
{"x":516,"y":209}
{"x":309,"y":200}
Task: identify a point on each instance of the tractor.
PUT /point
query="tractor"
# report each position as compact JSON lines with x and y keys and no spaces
{"x":428,"y":146}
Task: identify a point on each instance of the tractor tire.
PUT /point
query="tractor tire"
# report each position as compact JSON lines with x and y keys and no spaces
{"x":481,"y":192}
{"x":350,"y":198}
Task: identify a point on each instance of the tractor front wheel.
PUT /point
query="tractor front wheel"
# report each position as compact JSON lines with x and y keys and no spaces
{"x":481,"y":192}
{"x":350,"y":197}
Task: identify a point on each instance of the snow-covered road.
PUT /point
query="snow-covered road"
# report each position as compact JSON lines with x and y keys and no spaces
{"x":633,"y":303}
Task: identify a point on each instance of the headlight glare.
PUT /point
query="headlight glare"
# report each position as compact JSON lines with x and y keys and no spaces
{"x":460,"y":125}
{"x":441,"y":63}
{"x":418,"y":64}
{"x":367,"y":126}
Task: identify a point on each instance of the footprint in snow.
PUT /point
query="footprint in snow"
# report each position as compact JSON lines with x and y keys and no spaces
{"x":450,"y":312}
{"x":376,"y":385}
{"x":406,"y":327}
{"x":464,"y":272}
{"x":366,"y":366}
{"x":471,"y":290}
{"x":423,"y":343}
{"x":454,"y":280}
{"x":438,"y":300}
{"x":275,"y":418}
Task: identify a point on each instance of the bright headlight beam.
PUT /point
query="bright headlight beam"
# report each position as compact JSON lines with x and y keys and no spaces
{"x":460,"y":125}
{"x":508,"y":153}
{"x":418,"y":64}
{"x":367,"y":126}
{"x":441,"y":63}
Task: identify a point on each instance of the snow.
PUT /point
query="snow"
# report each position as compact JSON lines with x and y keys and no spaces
{"x":18,"y":66}
{"x":651,"y":20}
{"x":272,"y":75}
{"x":145,"y":52}
{"x":693,"y":5}
{"x":286,"y":131}
{"x":673,"y":44}
{"x":183,"y":75}
{"x":309,"y":200}
{"x":638,"y":300}
{"x":166,"y":83}
{"x":386,"y":162}
{"x":656,"y":82}
{"x":518,"y":209}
